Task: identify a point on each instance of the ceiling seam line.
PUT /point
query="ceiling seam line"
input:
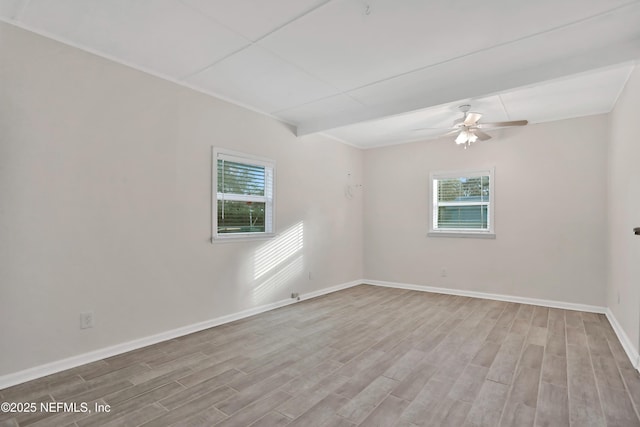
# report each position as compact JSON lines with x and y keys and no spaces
{"x":317,"y":100}
{"x":216,"y":62}
{"x":338,"y":90}
{"x":426,"y":67}
{"x":292,"y":20}
{"x":254,"y":42}
{"x":211,"y":18}
{"x":268,"y":33}
{"x":303,"y":70}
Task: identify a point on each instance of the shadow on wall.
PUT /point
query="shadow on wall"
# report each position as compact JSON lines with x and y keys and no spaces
{"x":278,"y":262}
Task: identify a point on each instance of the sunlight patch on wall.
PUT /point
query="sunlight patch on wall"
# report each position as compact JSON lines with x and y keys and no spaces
{"x":278,"y":262}
{"x":279,"y":279}
{"x":270,"y":255}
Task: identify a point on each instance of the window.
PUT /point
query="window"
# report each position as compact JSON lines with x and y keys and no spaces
{"x":245,"y":188}
{"x":462,"y":204}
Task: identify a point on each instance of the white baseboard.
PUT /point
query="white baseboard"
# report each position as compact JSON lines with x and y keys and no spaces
{"x":497,"y":297}
{"x":330,"y":290}
{"x":93,"y":356}
{"x":74,"y":361}
{"x":631,"y":351}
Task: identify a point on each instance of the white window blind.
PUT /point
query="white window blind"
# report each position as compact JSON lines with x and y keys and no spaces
{"x":244,"y":195}
{"x":462,"y":202}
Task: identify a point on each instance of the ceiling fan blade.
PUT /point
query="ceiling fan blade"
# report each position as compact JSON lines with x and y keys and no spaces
{"x":472,"y":118}
{"x":462,"y":137}
{"x":481,"y":135}
{"x":502,"y":124}
{"x":452,"y":132}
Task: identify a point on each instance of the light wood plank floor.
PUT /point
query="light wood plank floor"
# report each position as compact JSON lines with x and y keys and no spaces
{"x":365,"y":356}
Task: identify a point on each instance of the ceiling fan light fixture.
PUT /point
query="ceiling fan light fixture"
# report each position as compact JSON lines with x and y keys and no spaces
{"x":468,"y":130}
{"x":462,"y":137}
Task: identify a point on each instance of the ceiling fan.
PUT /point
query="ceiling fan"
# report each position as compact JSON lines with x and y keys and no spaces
{"x":470,"y":131}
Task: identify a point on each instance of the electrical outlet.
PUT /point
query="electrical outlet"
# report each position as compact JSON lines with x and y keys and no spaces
{"x":443,"y":272}
{"x":86,"y":320}
{"x":295,"y":295}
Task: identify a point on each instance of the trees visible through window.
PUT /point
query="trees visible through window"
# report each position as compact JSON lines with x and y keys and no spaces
{"x":462,"y":202}
{"x":244,"y":195}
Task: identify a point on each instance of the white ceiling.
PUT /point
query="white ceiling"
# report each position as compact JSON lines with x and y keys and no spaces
{"x":368,"y":72}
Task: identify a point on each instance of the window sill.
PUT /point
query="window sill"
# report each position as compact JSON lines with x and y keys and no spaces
{"x":463,"y":234}
{"x":242,"y":238}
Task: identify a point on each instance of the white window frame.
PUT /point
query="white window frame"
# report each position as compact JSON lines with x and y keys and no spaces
{"x":269,"y":198}
{"x":488,"y":233}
